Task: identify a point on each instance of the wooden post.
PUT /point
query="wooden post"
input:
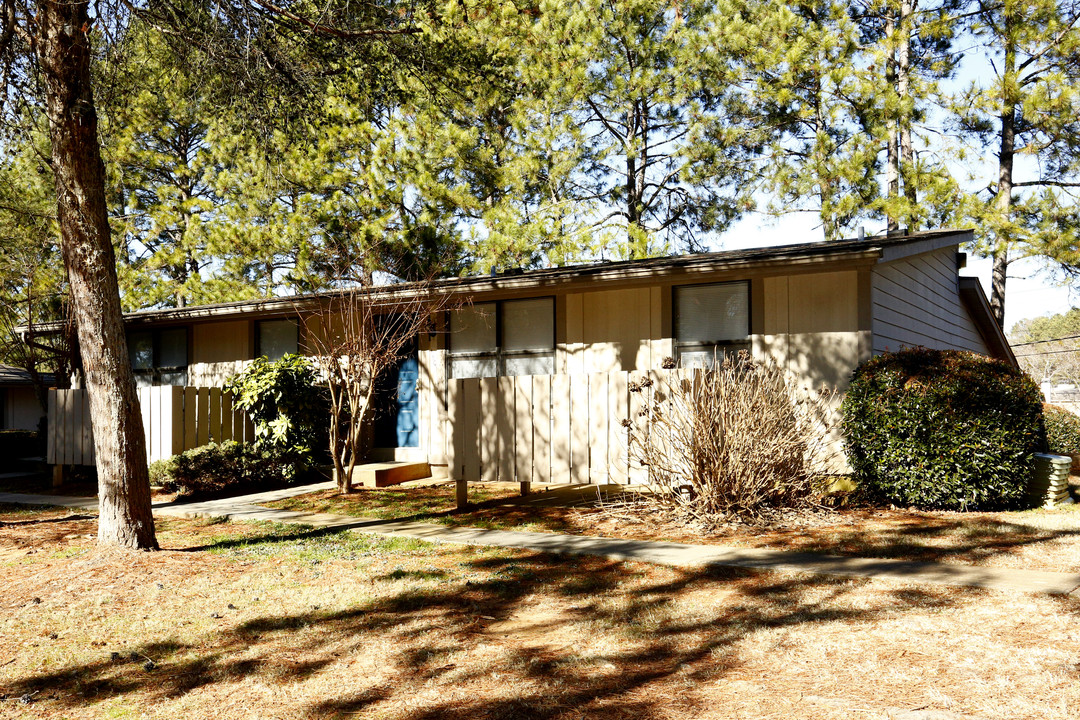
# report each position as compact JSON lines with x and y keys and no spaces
{"x":461,"y":488}
{"x":526,"y":488}
{"x":58,"y":475}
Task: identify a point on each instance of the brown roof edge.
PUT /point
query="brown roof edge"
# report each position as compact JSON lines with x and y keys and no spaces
{"x":871,"y":247}
{"x":974,"y":299}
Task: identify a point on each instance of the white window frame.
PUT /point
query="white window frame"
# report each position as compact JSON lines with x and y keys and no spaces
{"x":716,"y":348}
{"x":499,"y":354}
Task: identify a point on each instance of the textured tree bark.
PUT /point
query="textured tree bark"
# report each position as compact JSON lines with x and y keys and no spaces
{"x":1006,"y":156}
{"x":892,"y":146}
{"x":903,"y":90}
{"x":63,"y":54}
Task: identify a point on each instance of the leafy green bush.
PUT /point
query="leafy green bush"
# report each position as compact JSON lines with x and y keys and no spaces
{"x":221,"y":467}
{"x":942,"y":429}
{"x":161,"y":472}
{"x":288,"y":406}
{"x":1062,"y":430}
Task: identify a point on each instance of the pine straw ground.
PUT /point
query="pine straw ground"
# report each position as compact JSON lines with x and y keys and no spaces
{"x":260,"y":621}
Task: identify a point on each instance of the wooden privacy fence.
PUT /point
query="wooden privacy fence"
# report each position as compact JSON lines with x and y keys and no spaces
{"x":174,"y":419}
{"x":549,"y":428}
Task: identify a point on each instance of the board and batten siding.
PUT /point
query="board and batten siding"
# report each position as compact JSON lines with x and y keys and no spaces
{"x":811,"y":326}
{"x":916,"y":302}
{"x":219,"y":351}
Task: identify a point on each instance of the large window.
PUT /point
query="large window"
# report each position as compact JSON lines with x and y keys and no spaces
{"x":711,"y":320}
{"x":276,"y":338}
{"x":512,"y":337}
{"x":159,"y":357}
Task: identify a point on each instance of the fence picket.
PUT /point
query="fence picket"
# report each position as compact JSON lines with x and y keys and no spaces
{"x":505,"y":425}
{"x":455,"y":449}
{"x":190,"y":439}
{"x":228,"y":417}
{"x":618,"y":413}
{"x":560,"y":428}
{"x":523,"y":437}
{"x":541,"y":428}
{"x":471,"y":398}
{"x":89,"y":453}
{"x":489,"y":440}
{"x":202,"y":419}
{"x":214,"y":408}
{"x":50,"y":441}
{"x":597,"y":411}
{"x":579,"y":428}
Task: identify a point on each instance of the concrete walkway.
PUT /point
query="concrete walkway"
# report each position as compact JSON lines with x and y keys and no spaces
{"x":661,"y":553}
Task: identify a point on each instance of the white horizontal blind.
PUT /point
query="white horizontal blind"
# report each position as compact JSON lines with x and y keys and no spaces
{"x":712,"y":313}
{"x":473,"y":329}
{"x":278,"y":338}
{"x":528,"y":324}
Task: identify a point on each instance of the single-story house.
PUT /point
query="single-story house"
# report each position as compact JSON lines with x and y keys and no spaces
{"x":817,"y":309}
{"x":19,"y":405}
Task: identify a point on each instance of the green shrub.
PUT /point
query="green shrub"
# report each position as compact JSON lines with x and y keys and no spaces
{"x":1062,"y":430}
{"x":942,"y":429}
{"x":288,"y":406}
{"x":222,"y":467}
{"x":161,"y":472}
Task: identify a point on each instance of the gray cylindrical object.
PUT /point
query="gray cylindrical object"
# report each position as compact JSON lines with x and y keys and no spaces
{"x":1049,"y":485}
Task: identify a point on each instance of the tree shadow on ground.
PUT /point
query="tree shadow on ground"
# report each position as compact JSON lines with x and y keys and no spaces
{"x":45,"y":521}
{"x":973,"y":539}
{"x":430,"y":633}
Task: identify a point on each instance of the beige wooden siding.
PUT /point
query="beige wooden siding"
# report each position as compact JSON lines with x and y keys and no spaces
{"x":916,"y":301}
{"x":810,"y":326}
{"x":219,"y":351}
{"x":614,"y":330}
{"x":22,"y":411}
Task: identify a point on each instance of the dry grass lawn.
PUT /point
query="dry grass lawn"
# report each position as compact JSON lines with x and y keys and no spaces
{"x":256,"y":621}
{"x":1033,"y":539}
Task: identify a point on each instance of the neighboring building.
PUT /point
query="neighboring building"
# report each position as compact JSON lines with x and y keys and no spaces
{"x":19,"y":406}
{"x":817,"y":309}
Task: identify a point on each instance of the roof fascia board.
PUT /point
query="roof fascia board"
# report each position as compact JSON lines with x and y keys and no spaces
{"x":928,"y":244}
{"x":483,"y":285}
{"x":973,"y":297}
{"x":470,"y":285}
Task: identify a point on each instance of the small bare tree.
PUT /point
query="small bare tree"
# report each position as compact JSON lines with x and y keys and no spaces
{"x":356,"y":335}
{"x":735,"y":441}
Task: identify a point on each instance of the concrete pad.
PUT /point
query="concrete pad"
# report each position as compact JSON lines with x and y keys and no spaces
{"x":79,"y":503}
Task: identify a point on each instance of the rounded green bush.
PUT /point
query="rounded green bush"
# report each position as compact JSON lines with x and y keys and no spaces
{"x":1062,"y":430}
{"x":942,"y":429}
{"x":223,"y":468}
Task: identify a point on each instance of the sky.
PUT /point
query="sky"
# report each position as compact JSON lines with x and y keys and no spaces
{"x":1030,"y":290}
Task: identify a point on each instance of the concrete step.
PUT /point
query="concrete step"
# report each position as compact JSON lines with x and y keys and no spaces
{"x":383,"y":474}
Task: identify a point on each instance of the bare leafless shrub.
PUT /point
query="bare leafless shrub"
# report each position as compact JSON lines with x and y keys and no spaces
{"x":355,"y":335}
{"x":737,"y":441}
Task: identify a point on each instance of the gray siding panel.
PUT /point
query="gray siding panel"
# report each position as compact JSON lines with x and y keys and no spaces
{"x":916,"y":301}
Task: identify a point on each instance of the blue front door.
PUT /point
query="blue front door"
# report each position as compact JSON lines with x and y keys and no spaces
{"x":397,"y":409}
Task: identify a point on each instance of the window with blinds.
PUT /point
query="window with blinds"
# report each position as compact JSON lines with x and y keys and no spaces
{"x":158,"y":357}
{"x":275,"y":339}
{"x":711,"y":320}
{"x":510,"y":337}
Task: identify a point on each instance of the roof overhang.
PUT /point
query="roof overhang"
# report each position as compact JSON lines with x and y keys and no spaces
{"x":797,"y":257}
{"x":978,"y":307}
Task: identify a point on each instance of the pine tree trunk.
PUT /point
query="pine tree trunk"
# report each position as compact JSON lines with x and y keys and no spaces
{"x":892,"y":152}
{"x":1006,"y":155}
{"x":903,"y":90}
{"x":63,"y":52}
